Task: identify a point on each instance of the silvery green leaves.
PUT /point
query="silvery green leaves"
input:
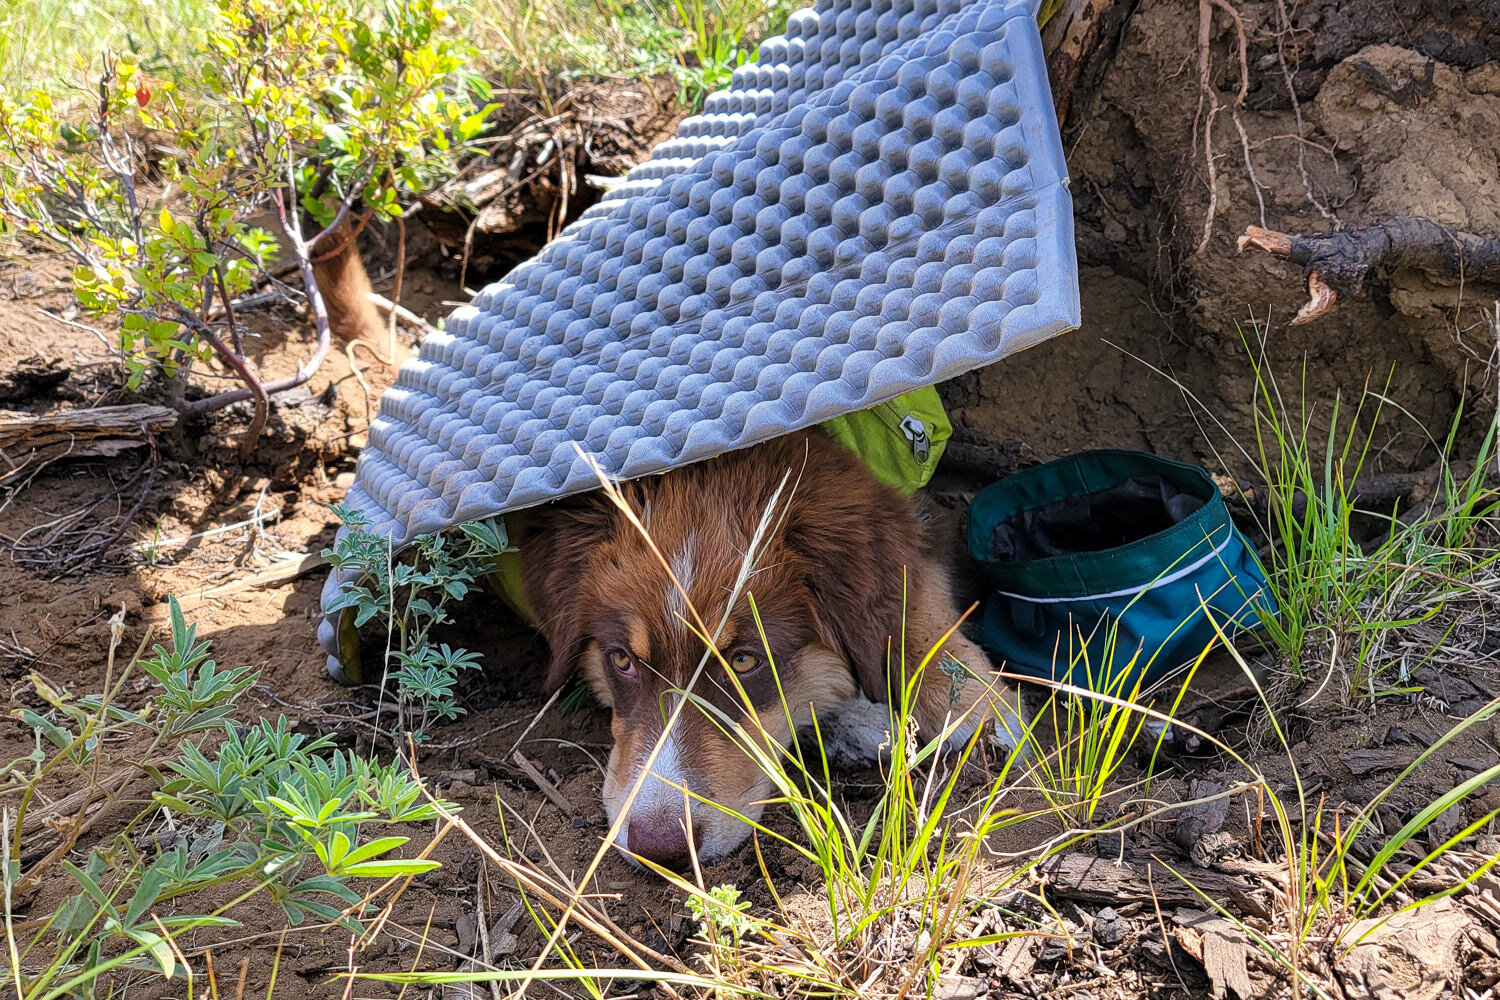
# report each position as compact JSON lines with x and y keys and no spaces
{"x":248,"y":808}
{"x":410,"y":593}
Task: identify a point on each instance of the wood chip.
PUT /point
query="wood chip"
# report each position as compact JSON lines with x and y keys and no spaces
{"x":1099,"y":880}
{"x":1414,"y":955}
{"x":1363,"y":762}
{"x":1017,"y":959}
{"x":1222,"y":948}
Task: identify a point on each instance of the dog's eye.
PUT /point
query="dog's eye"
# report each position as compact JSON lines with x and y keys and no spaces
{"x":621,"y":661}
{"x":743,"y":663}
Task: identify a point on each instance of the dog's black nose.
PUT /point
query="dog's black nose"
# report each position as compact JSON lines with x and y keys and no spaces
{"x":660,"y":838}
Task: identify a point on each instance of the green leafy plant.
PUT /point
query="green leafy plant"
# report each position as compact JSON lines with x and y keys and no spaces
{"x":259,"y":808}
{"x":411,"y":596}
{"x":340,"y":110}
{"x":723,"y":919}
{"x":716,"y":47}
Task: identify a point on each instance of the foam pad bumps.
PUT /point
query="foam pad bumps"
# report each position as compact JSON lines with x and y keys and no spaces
{"x":877,"y":204}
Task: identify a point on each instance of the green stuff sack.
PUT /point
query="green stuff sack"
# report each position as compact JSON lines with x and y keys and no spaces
{"x":900,"y":440}
{"x":1106,"y":567}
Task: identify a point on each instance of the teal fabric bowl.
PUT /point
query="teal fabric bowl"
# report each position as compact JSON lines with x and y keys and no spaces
{"x":1110,"y":569}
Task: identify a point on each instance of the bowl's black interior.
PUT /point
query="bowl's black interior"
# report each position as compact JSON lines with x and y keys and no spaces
{"x":1137,"y":508}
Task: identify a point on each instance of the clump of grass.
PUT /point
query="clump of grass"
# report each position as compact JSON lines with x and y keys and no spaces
{"x":1344,"y":871}
{"x":1365,"y":592}
{"x":1081,"y":741}
{"x":1340,"y":597}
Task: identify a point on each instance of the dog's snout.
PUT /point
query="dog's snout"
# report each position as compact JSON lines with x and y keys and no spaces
{"x":663,"y":839}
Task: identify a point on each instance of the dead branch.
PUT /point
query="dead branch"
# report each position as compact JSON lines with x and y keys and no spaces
{"x":28,"y":443}
{"x":1337,"y":264}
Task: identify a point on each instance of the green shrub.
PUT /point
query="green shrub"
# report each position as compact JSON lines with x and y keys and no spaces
{"x":330,"y":109}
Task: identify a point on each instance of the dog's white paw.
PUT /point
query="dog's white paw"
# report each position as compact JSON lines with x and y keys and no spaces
{"x":858,"y":733}
{"x":1011,"y":730}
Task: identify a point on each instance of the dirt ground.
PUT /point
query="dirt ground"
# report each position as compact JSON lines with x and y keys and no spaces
{"x":1399,"y":119}
{"x":1397,"y":113}
{"x":57,"y":626}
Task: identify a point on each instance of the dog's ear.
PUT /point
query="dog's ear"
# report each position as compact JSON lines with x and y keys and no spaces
{"x":858,"y":546}
{"x":555,"y":544}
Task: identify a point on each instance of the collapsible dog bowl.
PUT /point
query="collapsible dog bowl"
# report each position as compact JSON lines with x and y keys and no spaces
{"x":1111,"y":568}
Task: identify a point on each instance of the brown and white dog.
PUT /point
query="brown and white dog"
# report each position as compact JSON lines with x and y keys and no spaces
{"x":838,"y":576}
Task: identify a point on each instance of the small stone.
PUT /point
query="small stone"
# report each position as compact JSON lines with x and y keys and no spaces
{"x":468,"y":932}
{"x":1052,"y":953}
{"x":1109,"y":927}
{"x":959,"y":988}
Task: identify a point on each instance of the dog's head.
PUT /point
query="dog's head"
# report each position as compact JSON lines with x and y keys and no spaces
{"x":826,"y":588}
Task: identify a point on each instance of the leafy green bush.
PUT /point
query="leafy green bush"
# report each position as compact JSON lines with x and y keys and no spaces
{"x":341,"y":110}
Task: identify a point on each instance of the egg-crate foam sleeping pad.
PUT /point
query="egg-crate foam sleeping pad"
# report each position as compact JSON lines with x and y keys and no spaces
{"x":877,"y":204}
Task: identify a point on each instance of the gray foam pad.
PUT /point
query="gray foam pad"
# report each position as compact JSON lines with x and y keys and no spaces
{"x":877,"y":204}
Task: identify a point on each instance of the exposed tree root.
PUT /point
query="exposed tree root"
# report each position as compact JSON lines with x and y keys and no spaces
{"x":345,"y":285}
{"x":1336,"y":264}
{"x":1074,"y":36}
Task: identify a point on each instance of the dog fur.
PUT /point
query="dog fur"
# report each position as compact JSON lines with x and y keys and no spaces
{"x":843,"y":565}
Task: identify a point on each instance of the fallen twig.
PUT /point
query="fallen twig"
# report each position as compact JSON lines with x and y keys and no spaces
{"x":402,"y":313}
{"x":540,"y":780}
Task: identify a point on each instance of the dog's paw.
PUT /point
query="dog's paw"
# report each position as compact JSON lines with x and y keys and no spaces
{"x":858,"y":734}
{"x":1010,"y":729}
